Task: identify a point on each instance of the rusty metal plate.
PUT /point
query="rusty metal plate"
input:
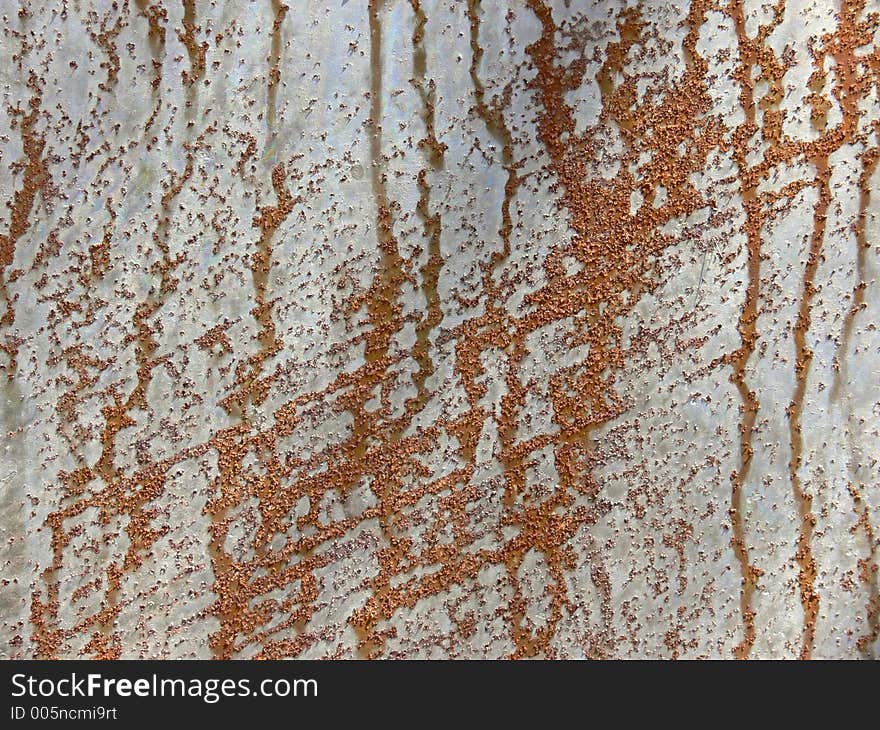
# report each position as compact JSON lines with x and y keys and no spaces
{"x":473,"y":329}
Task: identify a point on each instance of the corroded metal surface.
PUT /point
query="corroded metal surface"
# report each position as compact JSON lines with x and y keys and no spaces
{"x":397,"y":328}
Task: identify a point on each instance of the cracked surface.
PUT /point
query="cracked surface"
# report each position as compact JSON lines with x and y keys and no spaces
{"x":396,"y":328}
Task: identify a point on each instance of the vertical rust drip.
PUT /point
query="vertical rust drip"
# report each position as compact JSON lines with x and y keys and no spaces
{"x":492,"y":116}
{"x":869,"y":566}
{"x":803,"y":357}
{"x":841,"y":45}
{"x":383,"y":306}
{"x":869,"y":160}
{"x":869,"y":573}
{"x":268,"y":220}
{"x":432,"y":223}
{"x":197,"y":53}
{"x":194,"y":49}
{"x":748,"y":330}
{"x":156,"y":16}
{"x":384,"y":313}
{"x":36,"y":180}
{"x":279,"y":11}
{"x":852,"y":87}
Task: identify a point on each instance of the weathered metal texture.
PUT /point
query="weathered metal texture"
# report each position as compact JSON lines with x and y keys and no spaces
{"x":398,"y":328}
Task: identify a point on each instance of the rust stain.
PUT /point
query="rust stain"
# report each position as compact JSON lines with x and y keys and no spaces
{"x":804,"y":555}
{"x":279,"y":11}
{"x":36,"y":181}
{"x":432,"y":221}
{"x":197,"y":51}
{"x":869,"y":573}
{"x":157,"y":17}
{"x":841,"y":46}
{"x":747,"y":326}
{"x":362,"y":470}
{"x":106,"y":39}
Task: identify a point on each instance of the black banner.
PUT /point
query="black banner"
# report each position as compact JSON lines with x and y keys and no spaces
{"x":406,"y":693}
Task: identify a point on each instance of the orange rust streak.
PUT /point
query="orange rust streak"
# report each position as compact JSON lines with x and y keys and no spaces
{"x":156,"y":16}
{"x":803,"y":356}
{"x":748,"y":330}
{"x":197,"y":51}
{"x":432,"y":222}
{"x":279,"y":11}
{"x":36,"y":180}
